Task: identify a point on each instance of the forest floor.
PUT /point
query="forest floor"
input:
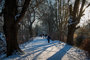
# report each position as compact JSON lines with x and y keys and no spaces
{"x":40,"y":49}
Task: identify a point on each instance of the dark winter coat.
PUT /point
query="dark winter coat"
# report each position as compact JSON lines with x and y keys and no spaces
{"x":48,"y":37}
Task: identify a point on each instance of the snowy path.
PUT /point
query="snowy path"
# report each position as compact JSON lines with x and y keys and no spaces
{"x":39,"y":49}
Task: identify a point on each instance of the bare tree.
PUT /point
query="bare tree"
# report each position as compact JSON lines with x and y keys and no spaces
{"x":63,"y":14}
{"x":12,"y":17}
{"x":47,"y":14}
{"x":11,"y":24}
{"x":76,"y":13}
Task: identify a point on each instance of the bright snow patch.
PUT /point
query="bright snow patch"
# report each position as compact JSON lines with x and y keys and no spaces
{"x":40,"y":49}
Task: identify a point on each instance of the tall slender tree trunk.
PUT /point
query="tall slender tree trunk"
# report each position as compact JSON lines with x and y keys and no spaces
{"x":10,"y":27}
{"x":30,"y":30}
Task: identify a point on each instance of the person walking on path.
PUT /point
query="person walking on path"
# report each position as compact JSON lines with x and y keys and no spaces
{"x":48,"y":38}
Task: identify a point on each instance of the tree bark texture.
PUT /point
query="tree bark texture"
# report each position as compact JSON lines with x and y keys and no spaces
{"x":11,"y":24}
{"x":70,"y":35}
{"x":10,"y":28}
{"x":73,"y":22}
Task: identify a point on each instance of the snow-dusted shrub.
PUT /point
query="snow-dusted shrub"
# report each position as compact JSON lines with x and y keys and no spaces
{"x":2,"y":43}
{"x":2,"y":47}
{"x":79,"y":40}
{"x":54,"y":36}
{"x":86,"y":45}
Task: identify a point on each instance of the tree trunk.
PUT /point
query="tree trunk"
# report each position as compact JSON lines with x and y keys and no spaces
{"x":71,"y":30}
{"x":10,"y":27}
{"x":11,"y":39}
{"x":30,"y":31}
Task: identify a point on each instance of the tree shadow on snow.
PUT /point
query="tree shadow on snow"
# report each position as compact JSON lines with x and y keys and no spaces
{"x":44,"y":47}
{"x":58,"y":55}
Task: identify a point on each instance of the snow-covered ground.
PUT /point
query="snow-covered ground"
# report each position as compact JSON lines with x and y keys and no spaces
{"x":40,"y":49}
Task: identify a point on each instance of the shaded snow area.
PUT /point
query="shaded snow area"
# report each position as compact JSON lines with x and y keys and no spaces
{"x":40,"y":49}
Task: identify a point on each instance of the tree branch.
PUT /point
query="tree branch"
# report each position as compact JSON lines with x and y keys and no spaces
{"x":1,"y":14}
{"x":81,"y":9}
{"x":34,"y":17}
{"x":25,"y":6}
{"x":70,"y":10}
{"x":86,"y":7}
{"x":76,"y":7}
{"x":77,"y":27}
